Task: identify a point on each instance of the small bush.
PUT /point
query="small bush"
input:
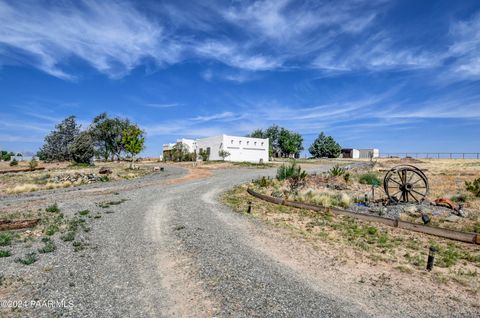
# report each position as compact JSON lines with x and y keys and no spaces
{"x":5,"y":253}
{"x":294,"y":174}
{"x":48,"y":247}
{"x":33,"y":164}
{"x":51,"y":230}
{"x":68,"y":237}
{"x":262,"y":182}
{"x":104,"y":179}
{"x":29,"y":259}
{"x":369,"y":178}
{"x":5,"y":238}
{"x":336,"y":171}
{"x":53,"y":208}
{"x":84,"y":212}
{"x":346,"y":177}
{"x":459,"y":198}
{"x":473,"y":187}
{"x":14,"y":162}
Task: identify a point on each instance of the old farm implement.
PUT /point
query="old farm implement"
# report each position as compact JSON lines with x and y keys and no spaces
{"x":405,"y":183}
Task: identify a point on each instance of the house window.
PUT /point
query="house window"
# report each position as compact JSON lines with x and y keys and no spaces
{"x":232,"y":141}
{"x":248,"y":142}
{"x":255,"y":143}
{"x":262,"y":143}
{"x":239,"y":142}
{"x":208,"y":150}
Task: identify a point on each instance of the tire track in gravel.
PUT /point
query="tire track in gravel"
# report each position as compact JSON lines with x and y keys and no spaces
{"x":244,"y":280}
{"x":184,"y":295}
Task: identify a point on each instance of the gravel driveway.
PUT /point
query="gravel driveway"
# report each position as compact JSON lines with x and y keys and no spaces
{"x":171,"y":250}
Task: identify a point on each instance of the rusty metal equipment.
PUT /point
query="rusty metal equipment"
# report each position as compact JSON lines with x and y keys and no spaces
{"x":405,"y":183}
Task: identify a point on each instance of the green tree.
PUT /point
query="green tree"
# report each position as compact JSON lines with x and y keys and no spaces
{"x":57,"y":143}
{"x":82,"y":149}
{"x":223,"y":154}
{"x":290,"y":143}
{"x":107,"y":135}
{"x":325,"y":146}
{"x":6,"y":156}
{"x":204,"y":154}
{"x":133,"y":141}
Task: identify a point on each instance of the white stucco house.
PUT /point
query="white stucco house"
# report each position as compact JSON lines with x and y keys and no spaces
{"x":241,"y":149}
{"x":360,"y":153}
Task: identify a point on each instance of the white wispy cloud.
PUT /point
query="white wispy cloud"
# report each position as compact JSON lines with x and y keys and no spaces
{"x":111,"y":36}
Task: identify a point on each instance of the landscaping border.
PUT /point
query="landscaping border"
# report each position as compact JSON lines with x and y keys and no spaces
{"x":466,"y":237}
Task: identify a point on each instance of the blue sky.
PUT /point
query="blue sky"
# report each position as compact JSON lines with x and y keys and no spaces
{"x":397,"y":75}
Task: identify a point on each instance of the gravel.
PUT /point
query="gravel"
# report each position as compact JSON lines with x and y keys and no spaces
{"x":165,"y":250}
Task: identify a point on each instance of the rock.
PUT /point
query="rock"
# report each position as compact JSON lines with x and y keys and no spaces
{"x":412,"y":210}
{"x":452,"y":218}
{"x":105,"y":170}
{"x":277,"y":194}
{"x":156,"y":168}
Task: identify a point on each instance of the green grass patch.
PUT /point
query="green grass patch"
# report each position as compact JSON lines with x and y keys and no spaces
{"x":49,"y":246}
{"x":84,"y":212}
{"x":5,"y":253}
{"x":68,"y":237}
{"x":51,"y":229}
{"x":5,"y":238}
{"x":53,"y":208}
{"x":369,"y":178}
{"x":28,"y":259}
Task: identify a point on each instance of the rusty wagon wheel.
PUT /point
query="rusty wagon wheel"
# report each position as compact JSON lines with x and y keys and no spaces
{"x":405,"y":183}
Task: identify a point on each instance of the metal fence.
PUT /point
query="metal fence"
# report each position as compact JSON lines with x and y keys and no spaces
{"x":433,"y":155}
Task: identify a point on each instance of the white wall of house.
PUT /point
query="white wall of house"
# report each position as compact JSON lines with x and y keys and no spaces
{"x":240,"y":148}
{"x":190,"y":144}
{"x":369,"y":153}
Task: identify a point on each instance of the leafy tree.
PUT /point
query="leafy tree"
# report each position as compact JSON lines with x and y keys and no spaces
{"x":223,"y":154}
{"x":290,"y":143}
{"x":82,"y":149}
{"x":257,"y":133}
{"x":204,"y":154}
{"x":325,"y":146}
{"x":14,"y":162}
{"x":57,"y":143}
{"x":6,"y":156}
{"x":133,"y":141}
{"x":107,"y":135}
{"x":273,"y":134}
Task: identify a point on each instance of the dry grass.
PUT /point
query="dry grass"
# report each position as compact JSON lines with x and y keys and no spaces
{"x":457,"y":263}
{"x":29,"y":181}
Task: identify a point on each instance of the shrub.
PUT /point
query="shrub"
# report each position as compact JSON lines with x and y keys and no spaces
{"x":5,"y":238}
{"x":336,"y":171}
{"x":48,"y":247}
{"x":293,"y":173}
{"x":53,"y":208}
{"x":84,"y":212}
{"x":5,"y":253}
{"x":262,"y":182}
{"x":29,"y":259}
{"x":459,"y":198}
{"x":14,"y":162}
{"x":51,"y":229}
{"x":68,"y":237}
{"x":346,"y":177}
{"x":473,"y":187}
{"x":369,"y":178}
{"x":204,"y":154}
{"x":33,"y":164}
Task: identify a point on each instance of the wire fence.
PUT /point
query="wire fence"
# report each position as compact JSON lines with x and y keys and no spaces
{"x":432,"y":155}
